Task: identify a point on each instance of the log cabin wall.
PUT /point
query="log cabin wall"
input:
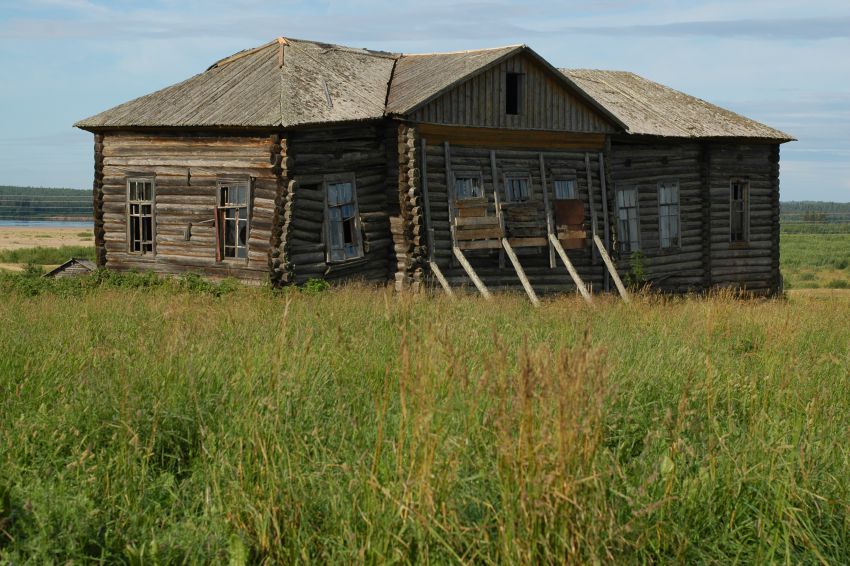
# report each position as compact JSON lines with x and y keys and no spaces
{"x":643,"y":165}
{"x":752,"y":265}
{"x":545,"y":103}
{"x":359,"y":150}
{"x":97,"y":203}
{"x":186,"y":168}
{"x":558,"y":164}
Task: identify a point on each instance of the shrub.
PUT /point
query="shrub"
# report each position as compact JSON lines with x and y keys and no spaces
{"x":315,"y":286}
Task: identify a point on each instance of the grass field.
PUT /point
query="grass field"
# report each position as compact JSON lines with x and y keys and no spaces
{"x":182,"y":422}
{"x":815,"y":260}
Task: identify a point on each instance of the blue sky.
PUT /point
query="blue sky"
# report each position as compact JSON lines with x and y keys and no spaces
{"x":782,"y":62}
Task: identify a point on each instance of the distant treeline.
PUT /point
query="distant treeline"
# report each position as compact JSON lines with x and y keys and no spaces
{"x":44,"y":203}
{"x":815,"y":217}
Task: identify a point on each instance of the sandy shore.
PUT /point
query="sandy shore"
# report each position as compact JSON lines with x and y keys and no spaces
{"x":15,"y":237}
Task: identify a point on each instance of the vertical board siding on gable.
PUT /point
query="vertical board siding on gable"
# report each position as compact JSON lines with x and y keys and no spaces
{"x":752,"y":265}
{"x":360,"y":150}
{"x":643,"y":166}
{"x":546,"y":103}
{"x":182,"y":199}
{"x":535,"y":261}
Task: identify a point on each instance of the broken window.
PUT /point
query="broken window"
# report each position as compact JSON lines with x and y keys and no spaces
{"x":513,"y":93}
{"x":342,"y":223}
{"x":140,"y":211}
{"x":739,"y":207}
{"x":627,"y":219}
{"x":517,"y":188}
{"x":232,"y":219}
{"x":668,"y":213}
{"x":468,"y":186}
{"x":565,"y":189}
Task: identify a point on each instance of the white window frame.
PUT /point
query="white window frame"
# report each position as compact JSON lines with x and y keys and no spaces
{"x":477,"y":176}
{"x":744,"y":182}
{"x":140,"y":203}
{"x":633,"y":246}
{"x":221,"y":220}
{"x":573,"y":189}
{"x":357,"y":231}
{"x":666,"y":212}
{"x":517,"y":176}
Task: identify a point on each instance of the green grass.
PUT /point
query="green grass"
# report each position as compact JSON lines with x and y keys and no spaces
{"x":815,"y":260}
{"x":144,"y":421}
{"x":46,"y":256}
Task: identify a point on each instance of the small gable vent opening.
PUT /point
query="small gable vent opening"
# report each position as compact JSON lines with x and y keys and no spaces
{"x":513,"y":93}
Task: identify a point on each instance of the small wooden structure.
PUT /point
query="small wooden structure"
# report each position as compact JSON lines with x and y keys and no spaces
{"x":72,"y":268}
{"x":297,"y":160}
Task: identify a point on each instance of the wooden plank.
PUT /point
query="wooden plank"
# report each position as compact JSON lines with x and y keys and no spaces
{"x":487,"y":221}
{"x":423,"y":177}
{"x":571,"y":269}
{"x":498,"y":202}
{"x":435,"y":269}
{"x":522,"y":278}
{"x":479,"y":245}
{"x":507,"y":138}
{"x":605,"y":228}
{"x":547,"y":209}
{"x":482,"y":234}
{"x":447,"y":156}
{"x":528,"y":242}
{"x":611,"y":269}
{"x":471,"y":272}
{"x":590,"y":199}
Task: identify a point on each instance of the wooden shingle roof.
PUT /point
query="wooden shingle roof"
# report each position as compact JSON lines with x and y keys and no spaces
{"x":284,"y":83}
{"x":650,"y":108}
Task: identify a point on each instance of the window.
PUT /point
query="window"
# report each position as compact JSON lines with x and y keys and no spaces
{"x":739,"y":208}
{"x":517,"y":188}
{"x":513,"y":93}
{"x":140,"y":210}
{"x":342,"y":223}
{"x":232,"y":219}
{"x":565,"y":189}
{"x":627,"y":219}
{"x":668,"y":214}
{"x":468,"y":186}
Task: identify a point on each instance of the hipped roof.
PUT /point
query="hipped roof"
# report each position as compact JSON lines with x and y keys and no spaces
{"x":290,"y":82}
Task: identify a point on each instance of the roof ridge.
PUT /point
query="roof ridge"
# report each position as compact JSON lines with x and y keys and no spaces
{"x":462,"y":51}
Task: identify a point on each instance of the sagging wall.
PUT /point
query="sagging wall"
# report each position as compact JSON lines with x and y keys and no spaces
{"x":705,"y":258}
{"x":558,"y":164}
{"x":186,"y":169}
{"x":312,"y":156}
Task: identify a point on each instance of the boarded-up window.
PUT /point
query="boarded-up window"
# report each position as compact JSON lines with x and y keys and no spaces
{"x":232,"y":219}
{"x":513,"y":93}
{"x":517,"y":188}
{"x":739,"y":208}
{"x":468,"y":186}
{"x":668,"y":214}
{"x":627,"y":219}
{"x":565,"y":189}
{"x":140,"y":215}
{"x":342,"y":221}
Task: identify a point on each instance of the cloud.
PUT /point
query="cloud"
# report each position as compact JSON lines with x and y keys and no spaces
{"x":769,"y":29}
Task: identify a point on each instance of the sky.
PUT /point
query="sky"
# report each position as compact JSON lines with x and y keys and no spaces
{"x":782,"y":62}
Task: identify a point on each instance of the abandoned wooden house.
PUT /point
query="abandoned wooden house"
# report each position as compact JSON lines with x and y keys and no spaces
{"x":299,"y":160}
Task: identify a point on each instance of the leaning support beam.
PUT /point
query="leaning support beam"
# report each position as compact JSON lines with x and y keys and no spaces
{"x":611,"y":269}
{"x":571,"y":269}
{"x":522,"y":278}
{"x":438,"y":273}
{"x":471,"y":272}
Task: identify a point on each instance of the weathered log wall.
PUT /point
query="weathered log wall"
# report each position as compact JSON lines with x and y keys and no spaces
{"x":546,"y":104}
{"x":97,"y":203}
{"x":186,"y":168}
{"x":313,"y":154}
{"x":706,"y":257}
{"x":535,"y":260}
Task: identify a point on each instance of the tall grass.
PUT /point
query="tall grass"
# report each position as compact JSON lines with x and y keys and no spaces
{"x":46,"y":256}
{"x":353,"y":425}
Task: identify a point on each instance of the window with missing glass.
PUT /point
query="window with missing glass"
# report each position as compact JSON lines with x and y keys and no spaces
{"x":140,"y":215}
{"x":628,"y":232}
{"x":468,"y":186}
{"x":565,"y":189}
{"x":739,"y":209}
{"x":342,"y":221}
{"x":232,"y":219}
{"x":668,"y":214}
{"x":517,"y":187}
